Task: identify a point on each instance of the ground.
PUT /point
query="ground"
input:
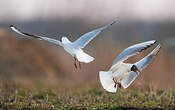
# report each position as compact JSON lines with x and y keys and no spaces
{"x":88,"y":97}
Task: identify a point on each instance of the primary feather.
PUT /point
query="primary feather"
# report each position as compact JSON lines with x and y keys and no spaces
{"x":54,"y":41}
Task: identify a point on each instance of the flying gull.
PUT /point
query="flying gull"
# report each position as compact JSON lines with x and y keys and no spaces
{"x":123,"y":74}
{"x":73,"y":48}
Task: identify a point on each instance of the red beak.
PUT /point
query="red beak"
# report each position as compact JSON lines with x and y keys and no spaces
{"x":137,"y":72}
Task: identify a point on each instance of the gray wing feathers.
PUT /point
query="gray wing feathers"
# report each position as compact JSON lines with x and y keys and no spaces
{"x":54,"y":41}
{"x":57,"y":42}
{"x":86,"y":38}
{"x":126,"y":82}
{"x":146,"y":60}
{"x":133,"y":50}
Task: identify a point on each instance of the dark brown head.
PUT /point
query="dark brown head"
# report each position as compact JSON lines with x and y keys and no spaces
{"x":135,"y":69}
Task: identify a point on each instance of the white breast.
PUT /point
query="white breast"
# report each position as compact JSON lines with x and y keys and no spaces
{"x":70,"y":50}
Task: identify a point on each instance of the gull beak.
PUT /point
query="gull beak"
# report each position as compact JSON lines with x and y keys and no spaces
{"x":137,"y":71}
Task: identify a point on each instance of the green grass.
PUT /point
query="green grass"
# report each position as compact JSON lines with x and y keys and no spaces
{"x":13,"y":96}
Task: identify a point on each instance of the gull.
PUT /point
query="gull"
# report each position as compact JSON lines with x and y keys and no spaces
{"x":75,"y":48}
{"x":123,"y":74}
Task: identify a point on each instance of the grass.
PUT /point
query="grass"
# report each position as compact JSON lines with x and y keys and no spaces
{"x":15,"y":96}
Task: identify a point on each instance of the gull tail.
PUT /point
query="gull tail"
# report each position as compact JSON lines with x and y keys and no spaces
{"x":107,"y":81}
{"x":83,"y":57}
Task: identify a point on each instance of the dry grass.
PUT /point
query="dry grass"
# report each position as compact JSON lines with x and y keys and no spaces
{"x":90,"y":97}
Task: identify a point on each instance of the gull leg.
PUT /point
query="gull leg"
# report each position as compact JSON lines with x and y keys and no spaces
{"x":115,"y":83}
{"x":119,"y":85}
{"x":75,"y":64}
{"x":79,"y":64}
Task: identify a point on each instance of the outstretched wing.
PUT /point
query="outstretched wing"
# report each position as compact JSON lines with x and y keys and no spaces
{"x":54,"y":41}
{"x":126,"y":82}
{"x":146,"y":60}
{"x":133,"y":50}
{"x":86,"y":38}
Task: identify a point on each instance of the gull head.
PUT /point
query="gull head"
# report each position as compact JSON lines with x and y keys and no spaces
{"x":135,"y":69}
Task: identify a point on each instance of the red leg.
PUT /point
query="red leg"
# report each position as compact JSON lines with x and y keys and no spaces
{"x":75,"y":64}
{"x":79,"y":64}
{"x":119,"y":85}
{"x":115,"y":83}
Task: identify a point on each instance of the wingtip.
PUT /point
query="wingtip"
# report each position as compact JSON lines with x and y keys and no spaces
{"x":156,"y":50}
{"x":113,"y":22}
{"x":11,"y":26}
{"x":152,"y":42}
{"x":155,"y":41}
{"x":159,"y":46}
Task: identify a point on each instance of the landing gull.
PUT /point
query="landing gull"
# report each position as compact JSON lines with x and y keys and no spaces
{"x":123,"y":74}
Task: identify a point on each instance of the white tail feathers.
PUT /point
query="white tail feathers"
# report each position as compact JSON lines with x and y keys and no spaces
{"x":107,"y":82}
{"x":83,"y":57}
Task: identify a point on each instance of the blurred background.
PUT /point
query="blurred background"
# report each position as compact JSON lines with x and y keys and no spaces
{"x":29,"y":60}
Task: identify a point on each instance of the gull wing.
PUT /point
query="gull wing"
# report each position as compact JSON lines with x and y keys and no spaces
{"x":54,"y":41}
{"x":86,"y":38}
{"x":146,"y":60}
{"x":126,"y":82}
{"x":133,"y":50}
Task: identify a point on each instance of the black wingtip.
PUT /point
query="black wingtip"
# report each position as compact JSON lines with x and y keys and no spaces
{"x":11,"y":25}
{"x":148,"y":45}
{"x":114,"y":21}
{"x":155,"y":41}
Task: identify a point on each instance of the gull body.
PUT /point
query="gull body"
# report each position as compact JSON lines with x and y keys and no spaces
{"x":123,"y":74}
{"x":75,"y":48}
{"x":120,"y":70}
{"x":76,"y":52}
